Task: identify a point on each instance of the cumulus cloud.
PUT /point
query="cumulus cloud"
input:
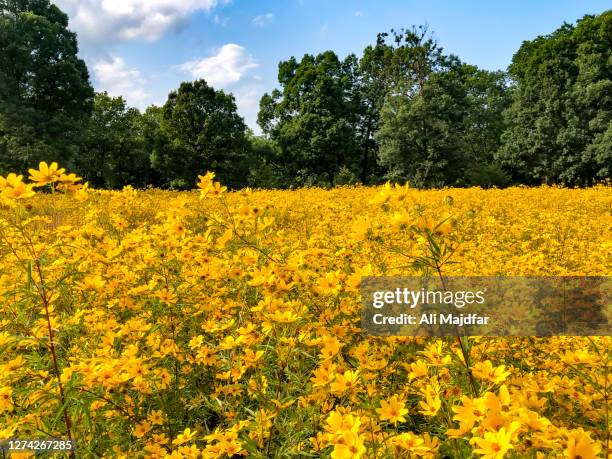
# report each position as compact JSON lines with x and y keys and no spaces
{"x":263,"y":19}
{"x":115,"y":77}
{"x":227,"y":67}
{"x":116,"y":21}
{"x":230,"y":68}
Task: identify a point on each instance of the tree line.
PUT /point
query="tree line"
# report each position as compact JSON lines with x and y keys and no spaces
{"x":404,"y":110}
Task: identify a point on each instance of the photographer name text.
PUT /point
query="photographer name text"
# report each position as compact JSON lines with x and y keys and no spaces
{"x":431,"y":319}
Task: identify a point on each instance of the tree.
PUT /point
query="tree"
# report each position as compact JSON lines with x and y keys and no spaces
{"x":313,"y":118}
{"x":398,"y":64}
{"x":200,"y":130}
{"x":373,"y":88}
{"x":266,"y":169}
{"x":420,"y":133}
{"x":560,"y":121}
{"x":156,"y":143}
{"x":443,"y":127}
{"x":440,"y":119}
{"x":485,"y":96}
{"x":115,"y":151}
{"x":45,"y":94}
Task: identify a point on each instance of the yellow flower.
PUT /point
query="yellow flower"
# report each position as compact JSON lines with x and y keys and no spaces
{"x":324,"y":374}
{"x":418,"y":369}
{"x":410,"y":442}
{"x":431,"y":405}
{"x":6,"y":401}
{"x":400,"y":220}
{"x":329,"y":284}
{"x":206,"y":356}
{"x":284,"y":317}
{"x":12,"y":187}
{"x":46,"y":174}
{"x":494,"y":445}
{"x":184,"y":437}
{"x":345,"y":382}
{"x":338,"y":422}
{"x":433,"y":352}
{"x":581,"y":446}
{"x":580,"y":356}
{"x":166,"y":295}
{"x":196,"y":342}
{"x":156,"y":417}
{"x":469,"y":411}
{"x":485,"y":370}
{"x":205,"y":180}
{"x":142,"y":429}
{"x":92,"y":282}
{"x":69,"y":178}
{"x":392,"y":410}
{"x":208,"y":187}
{"x":499,"y":403}
{"x":159,"y":299}
{"x":22,"y":455}
{"x":331,"y":347}
{"x":348,"y":445}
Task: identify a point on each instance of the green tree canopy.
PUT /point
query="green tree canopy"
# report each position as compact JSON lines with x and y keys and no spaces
{"x":441,"y":119}
{"x":200,"y":130}
{"x":313,"y":117}
{"x":45,"y":94}
{"x":115,"y":152}
{"x":560,"y":121}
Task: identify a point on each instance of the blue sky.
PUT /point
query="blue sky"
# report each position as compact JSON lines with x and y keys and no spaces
{"x":143,"y":49}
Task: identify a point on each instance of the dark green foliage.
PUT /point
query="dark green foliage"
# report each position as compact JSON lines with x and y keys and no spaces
{"x":200,"y":130}
{"x":115,"y":152}
{"x":441,"y":122}
{"x":45,"y":94}
{"x":313,"y":119}
{"x":266,"y":170}
{"x":404,"y":110}
{"x":559,"y":125}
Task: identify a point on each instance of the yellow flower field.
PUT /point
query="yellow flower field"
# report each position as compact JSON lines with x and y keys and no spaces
{"x":225,"y":324}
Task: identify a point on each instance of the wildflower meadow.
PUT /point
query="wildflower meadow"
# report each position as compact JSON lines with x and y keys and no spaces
{"x":218,"y":324}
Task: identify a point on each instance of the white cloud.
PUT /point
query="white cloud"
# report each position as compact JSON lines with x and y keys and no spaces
{"x":117,"y":79}
{"x":113,"y":21}
{"x":248,"y":93}
{"x":263,"y":19}
{"x":221,"y":21}
{"x":225,"y":68}
{"x":230,"y":68}
{"x":358,"y":14}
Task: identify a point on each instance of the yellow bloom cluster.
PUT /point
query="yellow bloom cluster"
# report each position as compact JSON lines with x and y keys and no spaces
{"x":161,"y":324}
{"x":12,"y":187}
